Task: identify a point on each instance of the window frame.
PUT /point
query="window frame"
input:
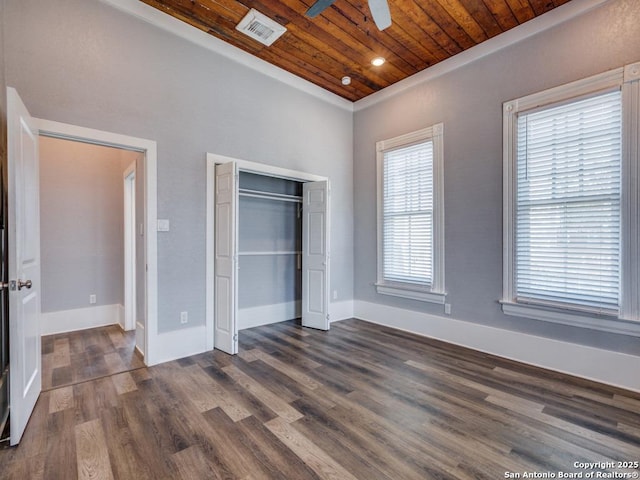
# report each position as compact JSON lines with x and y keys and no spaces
{"x":435,"y":292}
{"x":627,"y":322}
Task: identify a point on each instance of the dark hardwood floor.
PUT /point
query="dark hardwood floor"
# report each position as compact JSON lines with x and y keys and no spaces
{"x":70,"y":358}
{"x":358,"y":402}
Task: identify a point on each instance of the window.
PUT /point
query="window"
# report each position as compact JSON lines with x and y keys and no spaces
{"x":568,"y":219}
{"x":411,"y":216}
{"x":568,"y":204}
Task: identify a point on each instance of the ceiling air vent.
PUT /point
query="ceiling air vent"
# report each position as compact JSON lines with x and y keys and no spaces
{"x":260,"y":27}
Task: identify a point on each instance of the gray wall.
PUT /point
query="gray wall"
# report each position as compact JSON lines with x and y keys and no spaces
{"x":469,"y":102}
{"x":81,"y":227}
{"x":85,"y":63}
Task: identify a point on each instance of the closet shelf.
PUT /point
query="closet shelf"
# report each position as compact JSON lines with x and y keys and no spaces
{"x":255,"y":254}
{"x":243,"y":192}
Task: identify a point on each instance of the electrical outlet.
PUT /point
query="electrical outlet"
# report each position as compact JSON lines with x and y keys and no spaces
{"x":447,"y":308}
{"x":92,"y":298}
{"x":335,"y":294}
{"x":184,"y":317}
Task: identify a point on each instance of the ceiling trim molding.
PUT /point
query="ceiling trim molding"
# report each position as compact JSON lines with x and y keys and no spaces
{"x":177,"y":27}
{"x":537,"y":25}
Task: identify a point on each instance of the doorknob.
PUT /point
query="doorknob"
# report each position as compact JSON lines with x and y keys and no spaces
{"x":22,"y":284}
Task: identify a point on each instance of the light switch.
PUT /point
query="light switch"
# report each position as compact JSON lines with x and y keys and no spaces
{"x":163,"y":225}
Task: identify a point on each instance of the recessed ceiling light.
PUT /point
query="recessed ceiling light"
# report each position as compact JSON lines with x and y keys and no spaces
{"x":346,"y":80}
{"x":376,"y":62}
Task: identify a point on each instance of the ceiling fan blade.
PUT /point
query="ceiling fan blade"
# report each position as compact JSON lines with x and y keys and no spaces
{"x":380,"y":13}
{"x":318,"y":7}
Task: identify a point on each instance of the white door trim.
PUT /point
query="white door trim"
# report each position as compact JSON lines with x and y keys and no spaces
{"x":243,"y":166}
{"x":129,"y":181}
{"x":149,"y":147}
{"x":263,"y":169}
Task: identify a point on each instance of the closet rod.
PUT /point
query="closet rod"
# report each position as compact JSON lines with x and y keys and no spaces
{"x":270,"y":196}
{"x":279,"y":252}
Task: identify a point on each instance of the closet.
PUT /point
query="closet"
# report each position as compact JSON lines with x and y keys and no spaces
{"x":269,"y":250}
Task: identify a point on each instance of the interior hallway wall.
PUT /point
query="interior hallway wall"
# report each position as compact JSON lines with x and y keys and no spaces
{"x":82,"y":221}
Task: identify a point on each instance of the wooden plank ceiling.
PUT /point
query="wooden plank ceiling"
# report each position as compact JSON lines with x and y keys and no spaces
{"x":344,"y":39}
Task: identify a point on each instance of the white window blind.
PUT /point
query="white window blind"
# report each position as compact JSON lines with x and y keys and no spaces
{"x":568,"y":215}
{"x":407,"y":255}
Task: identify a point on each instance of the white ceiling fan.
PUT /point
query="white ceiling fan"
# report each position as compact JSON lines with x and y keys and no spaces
{"x":379,"y":11}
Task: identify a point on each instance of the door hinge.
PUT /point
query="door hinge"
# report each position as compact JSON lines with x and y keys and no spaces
{"x":235,"y":337}
{"x":328,"y":316}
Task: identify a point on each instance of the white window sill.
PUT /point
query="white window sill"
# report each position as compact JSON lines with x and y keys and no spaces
{"x":413,"y":294}
{"x":601,"y":323}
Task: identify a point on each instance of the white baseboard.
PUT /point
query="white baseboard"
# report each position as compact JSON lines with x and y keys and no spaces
{"x":141,"y":353}
{"x":341,"y":310}
{"x":267,"y":314}
{"x":178,"y":344}
{"x":79,"y":319}
{"x":140,"y":338}
{"x":121,"y":316}
{"x":604,"y":366}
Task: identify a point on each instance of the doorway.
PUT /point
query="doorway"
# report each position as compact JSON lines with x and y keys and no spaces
{"x":145,"y":152}
{"x":269,"y":250}
{"x":88,"y":260}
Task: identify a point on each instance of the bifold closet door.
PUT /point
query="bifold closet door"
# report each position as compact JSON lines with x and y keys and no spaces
{"x":315,"y":255}
{"x":226,"y":258}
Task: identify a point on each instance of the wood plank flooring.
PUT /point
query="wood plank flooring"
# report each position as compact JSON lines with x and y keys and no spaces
{"x":70,"y":358}
{"x":358,"y":402}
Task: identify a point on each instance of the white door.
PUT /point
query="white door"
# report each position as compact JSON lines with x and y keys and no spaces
{"x":225,"y":334}
{"x":24,"y":264}
{"x":315,"y":255}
